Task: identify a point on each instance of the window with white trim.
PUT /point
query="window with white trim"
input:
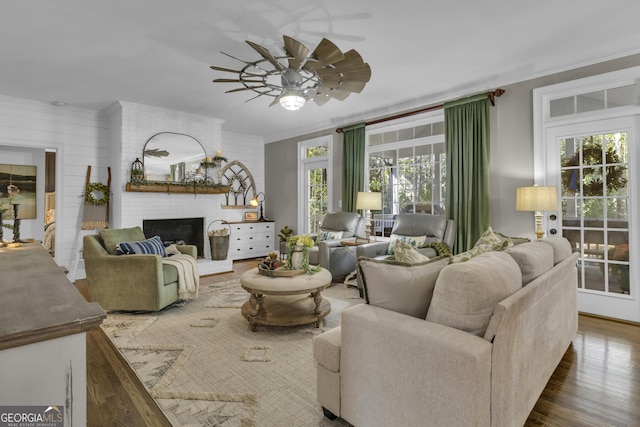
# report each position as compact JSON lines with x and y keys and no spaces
{"x":406,"y":162}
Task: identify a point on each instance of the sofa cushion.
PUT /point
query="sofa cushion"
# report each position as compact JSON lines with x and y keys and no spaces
{"x":466,"y":294}
{"x":533,"y":259}
{"x":326,"y":349}
{"x":152,"y":246}
{"x":414,"y":241}
{"x":398,"y":286}
{"x":111,"y":237}
{"x":561,"y":247}
{"x":404,"y":252}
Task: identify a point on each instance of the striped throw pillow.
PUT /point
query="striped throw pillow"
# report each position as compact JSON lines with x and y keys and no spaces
{"x":152,"y":246}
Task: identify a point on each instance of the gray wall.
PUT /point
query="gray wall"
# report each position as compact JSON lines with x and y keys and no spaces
{"x":511,"y":154}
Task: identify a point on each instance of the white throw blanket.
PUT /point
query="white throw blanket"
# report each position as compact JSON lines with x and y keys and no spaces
{"x":188,"y":276}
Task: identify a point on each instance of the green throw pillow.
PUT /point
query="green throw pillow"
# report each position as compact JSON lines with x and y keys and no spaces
{"x":413,"y":241}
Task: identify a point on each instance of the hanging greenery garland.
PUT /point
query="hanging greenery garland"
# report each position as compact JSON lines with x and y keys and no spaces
{"x":592,"y":182}
{"x":99,"y":188}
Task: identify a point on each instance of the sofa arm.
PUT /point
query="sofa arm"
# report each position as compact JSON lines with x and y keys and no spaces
{"x":400,"y":370}
{"x":335,"y":257}
{"x":188,"y":250}
{"x":373,"y":249}
{"x":125,"y":282}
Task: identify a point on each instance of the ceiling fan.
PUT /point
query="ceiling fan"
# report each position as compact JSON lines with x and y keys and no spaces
{"x":302,"y":75}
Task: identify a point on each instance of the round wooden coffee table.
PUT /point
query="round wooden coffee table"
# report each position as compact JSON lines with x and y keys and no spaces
{"x":291,"y":300}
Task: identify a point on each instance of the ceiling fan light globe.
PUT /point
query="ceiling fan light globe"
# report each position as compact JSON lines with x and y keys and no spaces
{"x":292,"y":101}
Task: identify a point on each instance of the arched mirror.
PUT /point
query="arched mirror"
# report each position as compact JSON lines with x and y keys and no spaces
{"x":173,"y":157}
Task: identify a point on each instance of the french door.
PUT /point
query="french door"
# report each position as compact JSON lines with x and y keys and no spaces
{"x":316,"y":191}
{"x":314,"y":183}
{"x":592,"y":164}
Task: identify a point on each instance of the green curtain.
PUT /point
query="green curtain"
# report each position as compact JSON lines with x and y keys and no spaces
{"x":467,"y":146}
{"x":353,"y":145}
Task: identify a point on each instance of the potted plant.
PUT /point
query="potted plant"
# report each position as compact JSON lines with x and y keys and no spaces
{"x":285,"y":234}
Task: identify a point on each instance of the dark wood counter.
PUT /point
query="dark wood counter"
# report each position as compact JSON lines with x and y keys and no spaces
{"x":37,"y":300}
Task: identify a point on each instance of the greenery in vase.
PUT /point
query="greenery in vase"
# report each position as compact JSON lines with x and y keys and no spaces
{"x":299,"y":243}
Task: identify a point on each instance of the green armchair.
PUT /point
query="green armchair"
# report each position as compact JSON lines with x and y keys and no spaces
{"x":129,"y":282}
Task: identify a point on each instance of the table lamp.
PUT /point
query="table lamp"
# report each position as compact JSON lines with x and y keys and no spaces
{"x":537,"y":199}
{"x":368,"y":201}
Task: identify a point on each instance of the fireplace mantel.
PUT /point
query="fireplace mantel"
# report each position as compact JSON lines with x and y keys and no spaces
{"x":170,"y":188}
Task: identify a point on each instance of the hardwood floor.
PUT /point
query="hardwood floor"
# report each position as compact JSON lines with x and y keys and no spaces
{"x":596,"y":384}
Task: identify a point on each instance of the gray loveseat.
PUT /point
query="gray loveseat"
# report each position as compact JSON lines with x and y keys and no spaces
{"x":471,"y":361}
{"x":434,"y":228}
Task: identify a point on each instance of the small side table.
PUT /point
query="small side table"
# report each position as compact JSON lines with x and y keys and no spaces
{"x":351,"y":245}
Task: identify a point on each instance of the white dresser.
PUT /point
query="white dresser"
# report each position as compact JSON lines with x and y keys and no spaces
{"x":251,"y":239}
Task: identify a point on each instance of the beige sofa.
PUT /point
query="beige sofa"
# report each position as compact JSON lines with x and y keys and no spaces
{"x":496,"y":328}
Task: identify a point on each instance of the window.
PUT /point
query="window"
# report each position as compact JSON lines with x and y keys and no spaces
{"x":407,"y":164}
{"x":314,"y":183}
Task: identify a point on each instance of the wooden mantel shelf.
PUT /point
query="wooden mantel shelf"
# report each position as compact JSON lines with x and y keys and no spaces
{"x":170,"y":188}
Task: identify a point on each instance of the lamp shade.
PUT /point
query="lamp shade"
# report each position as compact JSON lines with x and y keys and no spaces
{"x":369,"y":201}
{"x":537,"y":198}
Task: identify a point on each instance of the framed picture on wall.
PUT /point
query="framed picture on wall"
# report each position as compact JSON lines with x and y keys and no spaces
{"x":18,"y":191}
{"x":251,"y":216}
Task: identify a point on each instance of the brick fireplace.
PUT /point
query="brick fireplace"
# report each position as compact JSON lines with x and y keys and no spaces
{"x":188,"y":231}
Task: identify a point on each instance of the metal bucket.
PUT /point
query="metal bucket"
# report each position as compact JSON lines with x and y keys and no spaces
{"x":219,"y":244}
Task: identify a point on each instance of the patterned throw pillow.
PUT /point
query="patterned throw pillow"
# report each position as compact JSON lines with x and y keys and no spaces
{"x":328,"y":235}
{"x":489,"y":241}
{"x":413,"y":241}
{"x":152,"y":246}
{"x":404,"y":252}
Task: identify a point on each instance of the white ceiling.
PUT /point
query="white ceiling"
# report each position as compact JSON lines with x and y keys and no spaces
{"x":91,"y":53}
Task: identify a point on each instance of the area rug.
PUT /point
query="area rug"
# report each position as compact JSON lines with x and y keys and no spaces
{"x":205,"y":367}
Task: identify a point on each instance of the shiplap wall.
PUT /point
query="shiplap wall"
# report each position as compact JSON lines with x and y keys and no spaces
{"x":114,"y":138}
{"x":80,"y":138}
{"x":140,"y":122}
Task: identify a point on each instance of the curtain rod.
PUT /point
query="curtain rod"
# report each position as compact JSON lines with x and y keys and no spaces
{"x":491,"y":95}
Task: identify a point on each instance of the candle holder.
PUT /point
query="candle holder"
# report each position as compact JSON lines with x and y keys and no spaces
{"x":16,"y":225}
{"x":2,"y":243}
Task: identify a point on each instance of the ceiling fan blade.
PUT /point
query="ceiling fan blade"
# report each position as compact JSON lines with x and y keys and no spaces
{"x":352,"y":61}
{"x":236,"y":81}
{"x":321,"y":99}
{"x":240,"y":89}
{"x":334,"y":80}
{"x":338,"y":94}
{"x":327,"y":52}
{"x":363,"y":75}
{"x":276,"y":101}
{"x":312,"y":65}
{"x":266,"y":55}
{"x":229,"y":70}
{"x":296,"y":51}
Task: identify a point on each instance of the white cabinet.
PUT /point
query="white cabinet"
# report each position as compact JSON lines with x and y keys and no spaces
{"x":251,"y":239}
